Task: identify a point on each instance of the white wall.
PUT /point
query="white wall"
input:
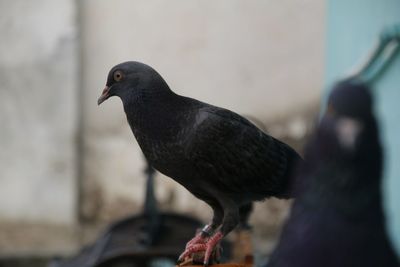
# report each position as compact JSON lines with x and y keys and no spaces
{"x":38,"y":110}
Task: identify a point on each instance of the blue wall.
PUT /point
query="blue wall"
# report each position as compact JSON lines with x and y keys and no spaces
{"x":353,"y":26}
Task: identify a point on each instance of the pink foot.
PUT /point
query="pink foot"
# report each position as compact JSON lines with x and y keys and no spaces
{"x":198,"y":239}
{"x":208,"y":247}
{"x":192,"y":249}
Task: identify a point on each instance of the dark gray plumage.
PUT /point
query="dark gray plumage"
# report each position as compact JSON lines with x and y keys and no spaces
{"x":219,"y":156}
{"x":337,"y":218}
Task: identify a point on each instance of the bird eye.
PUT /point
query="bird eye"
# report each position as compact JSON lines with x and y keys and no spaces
{"x":118,"y":76}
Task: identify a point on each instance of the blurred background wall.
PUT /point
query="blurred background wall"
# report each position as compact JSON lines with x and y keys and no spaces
{"x":67,"y":165}
{"x":39,"y":110}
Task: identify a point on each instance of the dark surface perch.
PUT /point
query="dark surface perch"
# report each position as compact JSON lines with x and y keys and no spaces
{"x":138,"y":240}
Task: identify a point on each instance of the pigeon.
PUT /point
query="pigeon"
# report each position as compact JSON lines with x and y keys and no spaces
{"x":337,"y":217}
{"x":219,"y":156}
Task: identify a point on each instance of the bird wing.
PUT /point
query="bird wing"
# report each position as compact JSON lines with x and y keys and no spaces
{"x":231,"y":153}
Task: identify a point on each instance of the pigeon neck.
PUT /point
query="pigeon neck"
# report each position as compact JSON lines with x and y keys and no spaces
{"x":154,"y":113}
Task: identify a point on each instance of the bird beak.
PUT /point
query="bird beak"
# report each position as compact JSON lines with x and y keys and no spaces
{"x":104,"y":96}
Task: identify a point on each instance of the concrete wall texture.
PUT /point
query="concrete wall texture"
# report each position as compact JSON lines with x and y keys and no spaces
{"x":259,"y":58}
{"x":38,"y":110}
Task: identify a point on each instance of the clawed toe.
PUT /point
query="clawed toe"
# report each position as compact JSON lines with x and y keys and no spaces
{"x":198,"y":239}
{"x":207,"y":247}
{"x":192,"y":249}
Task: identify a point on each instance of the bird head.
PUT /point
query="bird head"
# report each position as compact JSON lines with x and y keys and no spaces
{"x":131,"y":79}
{"x":350,"y":108}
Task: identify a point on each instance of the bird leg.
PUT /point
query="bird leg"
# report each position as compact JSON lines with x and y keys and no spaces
{"x":201,"y":237}
{"x":229,"y":222}
{"x":209,"y":229}
{"x":210,"y":245}
{"x":207,"y":247}
{"x":230,"y":219}
{"x":204,"y":240}
{"x":195,"y":243}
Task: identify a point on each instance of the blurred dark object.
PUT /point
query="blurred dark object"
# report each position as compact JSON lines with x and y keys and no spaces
{"x":133,"y":241}
{"x":338,"y":219}
{"x":152,"y":238}
{"x":18,"y":261}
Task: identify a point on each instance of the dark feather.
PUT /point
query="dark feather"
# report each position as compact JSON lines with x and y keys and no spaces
{"x":219,"y":156}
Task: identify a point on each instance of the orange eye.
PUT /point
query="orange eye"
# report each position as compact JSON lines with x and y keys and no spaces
{"x":118,"y":76}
